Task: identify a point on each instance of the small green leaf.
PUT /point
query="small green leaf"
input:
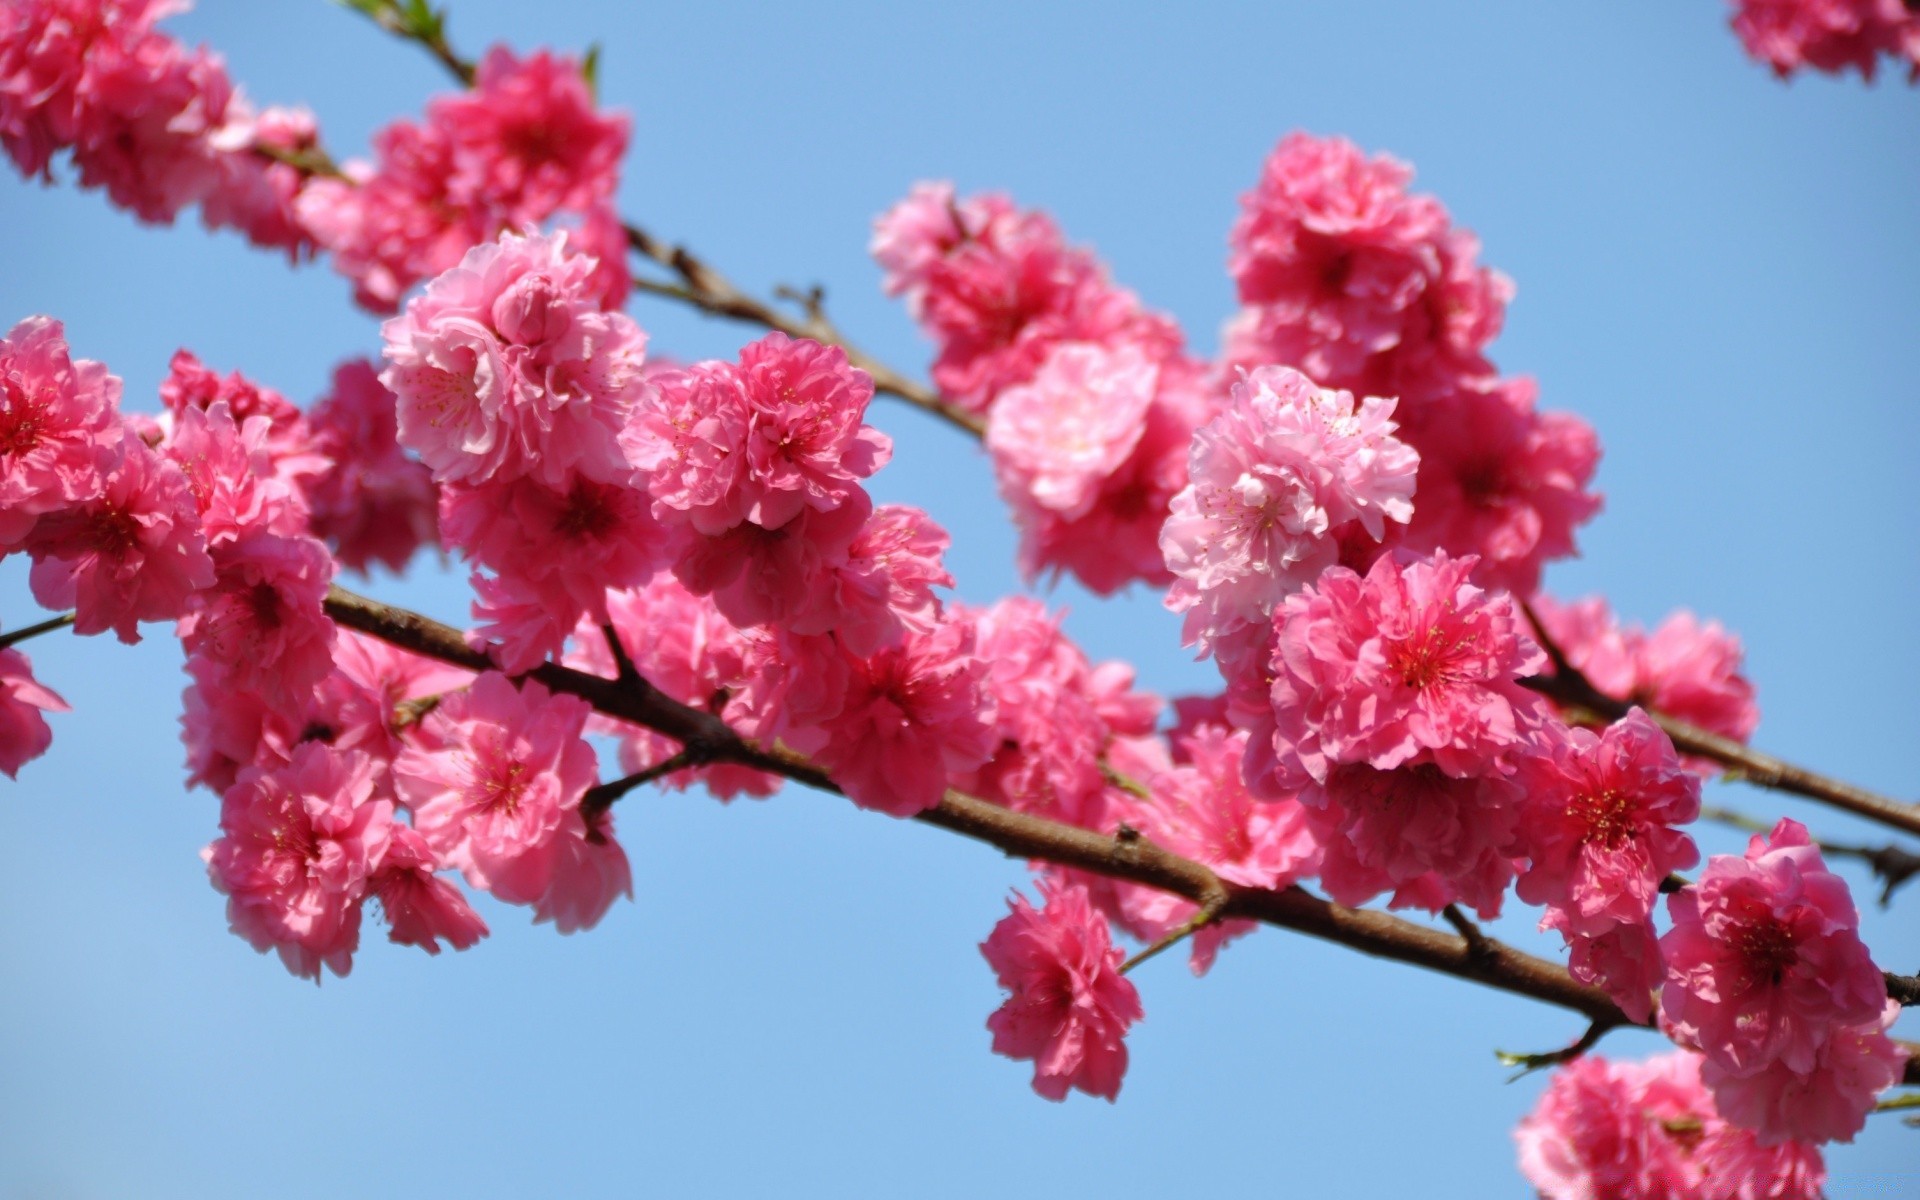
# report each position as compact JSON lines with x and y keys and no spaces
{"x":590,"y":71}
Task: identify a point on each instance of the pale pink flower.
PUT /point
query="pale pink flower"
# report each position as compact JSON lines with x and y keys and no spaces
{"x":999,"y":289}
{"x":1409,"y":661}
{"x":132,"y":553}
{"x":24,"y":734}
{"x":262,"y":619}
{"x":1827,"y":1103}
{"x":1828,"y":35}
{"x":499,"y":792}
{"x":1601,"y":822}
{"x":506,"y":366}
{"x":1765,"y":961}
{"x":299,"y":847}
{"x":374,"y":504}
{"x":1500,"y":480}
{"x":1070,"y":1007}
{"x":1649,"y":1131}
{"x":1281,"y":467}
{"x":1057,"y":438}
{"x":1356,"y":282}
{"x":421,"y":908}
{"x":913,"y":717}
{"x":58,"y":426}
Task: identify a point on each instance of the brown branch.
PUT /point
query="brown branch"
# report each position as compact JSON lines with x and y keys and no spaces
{"x":1584,"y":704}
{"x":14,"y":637}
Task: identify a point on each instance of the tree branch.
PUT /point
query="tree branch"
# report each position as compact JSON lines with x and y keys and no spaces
{"x":14,"y":637}
{"x":1124,"y":855}
{"x":1892,"y":865}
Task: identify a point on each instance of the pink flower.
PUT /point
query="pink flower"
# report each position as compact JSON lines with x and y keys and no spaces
{"x":58,"y":426}
{"x":262,"y":619}
{"x":1601,"y":823}
{"x":255,"y":193}
{"x":1283,"y":466}
{"x":421,"y":908}
{"x":132,"y":553}
{"x":1827,"y":35}
{"x":781,"y":576}
{"x":299,"y":846}
{"x":374,"y":504}
{"x":998,"y":289}
{"x":1070,"y":1006}
{"x":1409,"y":661}
{"x":289,"y":442}
{"x":24,"y":735}
{"x":1356,"y":282}
{"x":1058,"y":438}
{"x":913,"y":717}
{"x":229,"y":469}
{"x":590,"y":873}
{"x":1764,"y":961}
{"x":1649,"y":1131}
{"x":884,"y":587}
{"x":1828,"y":1103}
{"x":506,"y":366}
{"x":527,"y":140}
{"x":690,"y":436}
{"x":498,"y":794}
{"x":806,"y":445}
{"x":1620,"y":958}
{"x":1500,"y":480}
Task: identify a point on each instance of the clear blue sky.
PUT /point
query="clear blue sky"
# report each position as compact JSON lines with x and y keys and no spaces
{"x":1718,"y":271}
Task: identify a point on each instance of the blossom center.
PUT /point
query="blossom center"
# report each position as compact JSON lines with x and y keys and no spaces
{"x":1605,"y":816}
{"x":1767,"y":948}
{"x":21,"y":419}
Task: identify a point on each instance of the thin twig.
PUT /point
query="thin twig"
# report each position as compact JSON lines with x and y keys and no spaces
{"x":1892,"y":865}
{"x":1529,"y":1063}
{"x":1209,"y":913}
{"x":14,"y":637}
{"x":600,"y":797}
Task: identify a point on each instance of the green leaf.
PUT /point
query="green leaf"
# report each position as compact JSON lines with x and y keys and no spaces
{"x":590,"y":71}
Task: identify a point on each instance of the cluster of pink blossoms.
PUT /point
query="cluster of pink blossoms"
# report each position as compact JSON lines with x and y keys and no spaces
{"x":1651,"y":1131}
{"x":158,"y":126}
{"x":1829,"y":35}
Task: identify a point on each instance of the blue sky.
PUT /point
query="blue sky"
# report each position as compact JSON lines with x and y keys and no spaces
{"x":1719,"y":271}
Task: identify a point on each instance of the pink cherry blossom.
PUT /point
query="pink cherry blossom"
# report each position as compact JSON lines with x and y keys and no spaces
{"x":690,"y":436}
{"x":1070,"y":1007}
{"x":256,"y":193}
{"x":24,"y":733}
{"x":1277,"y":471}
{"x":776,"y":576}
{"x":1827,"y":1103}
{"x":1601,"y":823}
{"x":298,"y":849}
{"x":374,"y":504}
{"x":506,"y":366}
{"x":590,"y":872}
{"x":1410,"y":660}
{"x":229,"y":469}
{"x":1057,"y":438}
{"x":884,"y":587}
{"x":1827,"y":35}
{"x":806,"y":444}
{"x":289,"y":440}
{"x":1764,"y":961}
{"x":262,"y":620}
{"x":1500,"y":480}
{"x":1355,"y":281}
{"x":132,"y":553}
{"x":1650,"y":1131}
{"x":58,"y":426}
{"x":999,"y":289}
{"x":498,"y":793}
{"x":1621,"y":958}
{"x":913,"y":716}
{"x":421,"y":908}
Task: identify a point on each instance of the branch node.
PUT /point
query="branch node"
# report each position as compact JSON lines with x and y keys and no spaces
{"x":1479,"y":948}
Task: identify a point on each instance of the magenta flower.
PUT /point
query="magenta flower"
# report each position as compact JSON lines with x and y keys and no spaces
{"x":58,"y":427}
{"x":298,"y":849}
{"x":1411,"y":660}
{"x":229,"y":469}
{"x":806,"y":444}
{"x":132,"y":553}
{"x":1070,"y":1007}
{"x":1649,"y":1131}
{"x":262,"y":620}
{"x":1281,"y":468}
{"x":24,"y":734}
{"x":421,"y":908}
{"x":1601,"y":822}
{"x":497,"y":793}
{"x":373,"y":504}
{"x":1764,"y":961}
{"x":884,"y":587}
{"x":1828,"y":35}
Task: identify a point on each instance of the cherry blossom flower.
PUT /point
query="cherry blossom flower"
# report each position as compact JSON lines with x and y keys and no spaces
{"x":58,"y":426}
{"x":1829,"y":1102}
{"x":1410,"y":661}
{"x":1828,"y":35}
{"x":1649,"y":1131}
{"x":884,"y":587}
{"x":133,"y":553}
{"x":299,"y":846}
{"x":498,"y":793}
{"x":24,"y":733}
{"x":262,"y":622}
{"x":421,"y":908}
{"x":506,"y":366}
{"x":806,"y":444}
{"x":289,"y":441}
{"x":590,"y":872}
{"x":1281,"y":467}
{"x":1057,"y":438}
{"x":1764,"y":961}
{"x":256,"y":193}
{"x":1070,"y":1007}
{"x":374,"y":504}
{"x":229,"y":470}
